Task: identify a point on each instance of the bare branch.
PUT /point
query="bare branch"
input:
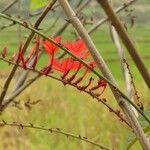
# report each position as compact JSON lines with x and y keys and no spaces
{"x":7,"y":26}
{"x":123,"y":65}
{"x":54,"y":130}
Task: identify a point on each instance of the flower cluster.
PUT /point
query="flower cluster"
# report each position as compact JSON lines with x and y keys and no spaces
{"x":69,"y":68}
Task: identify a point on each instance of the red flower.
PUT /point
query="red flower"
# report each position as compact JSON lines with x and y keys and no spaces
{"x":37,"y":47}
{"x":20,"y":56}
{"x":4,"y":52}
{"x":87,"y":70}
{"x":67,"y":64}
{"x":50,"y":47}
{"x":78,"y":48}
{"x":102,"y":83}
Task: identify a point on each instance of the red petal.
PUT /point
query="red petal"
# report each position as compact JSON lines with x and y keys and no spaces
{"x":57,"y":65}
{"x":102,"y":83}
{"x":80,"y":46}
{"x":4,"y":52}
{"x":50,"y":47}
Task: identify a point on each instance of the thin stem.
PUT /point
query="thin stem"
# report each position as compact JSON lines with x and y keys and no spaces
{"x":7,"y":26}
{"x":121,"y":54}
{"x":54,"y":130}
{"x":54,"y":23}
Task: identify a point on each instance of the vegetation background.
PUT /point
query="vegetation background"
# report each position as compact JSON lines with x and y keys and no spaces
{"x":66,"y":108}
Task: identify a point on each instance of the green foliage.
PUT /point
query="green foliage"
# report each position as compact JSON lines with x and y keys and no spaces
{"x":131,"y":139}
{"x":35,"y":4}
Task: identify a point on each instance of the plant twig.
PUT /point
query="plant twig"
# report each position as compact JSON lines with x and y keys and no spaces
{"x":106,"y":72}
{"x":54,"y":23}
{"x":7,"y":26}
{"x":123,"y":65}
{"x":53,"y":130}
{"x":135,"y":91}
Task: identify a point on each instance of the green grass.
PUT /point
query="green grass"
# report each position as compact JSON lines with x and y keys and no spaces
{"x":67,"y":108}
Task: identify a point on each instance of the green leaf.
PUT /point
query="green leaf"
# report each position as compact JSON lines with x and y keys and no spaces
{"x":35,"y":4}
{"x":131,"y":139}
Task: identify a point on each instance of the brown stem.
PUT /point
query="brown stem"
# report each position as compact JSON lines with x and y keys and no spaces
{"x":121,"y":54}
{"x":126,"y":40}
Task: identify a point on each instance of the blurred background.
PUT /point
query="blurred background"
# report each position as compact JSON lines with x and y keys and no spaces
{"x":62,"y":106}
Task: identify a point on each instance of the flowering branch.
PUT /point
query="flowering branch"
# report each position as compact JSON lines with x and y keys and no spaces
{"x":39,"y":20}
{"x":65,"y":82}
{"x":117,"y":90}
{"x":23,"y":76}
